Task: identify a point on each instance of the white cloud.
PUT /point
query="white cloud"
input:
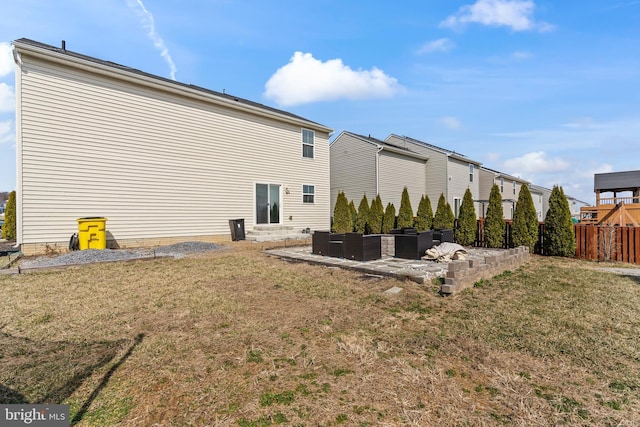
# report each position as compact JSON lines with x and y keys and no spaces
{"x":535,"y":163}
{"x":440,"y":45}
{"x":148,"y":22}
{"x":6,"y":132}
{"x":521,"y":55}
{"x":451,"y":122}
{"x":6,"y":59}
{"x":7,"y":98}
{"x":515,"y":14}
{"x":306,"y":79}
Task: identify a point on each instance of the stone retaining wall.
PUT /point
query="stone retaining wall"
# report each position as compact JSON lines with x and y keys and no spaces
{"x":464,"y":274}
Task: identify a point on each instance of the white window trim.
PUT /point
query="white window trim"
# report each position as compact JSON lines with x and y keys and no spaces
{"x":501,"y":185}
{"x":309,"y":194}
{"x":459,"y":199}
{"x":312,"y":145}
{"x":471,"y":172}
{"x":514,"y":187}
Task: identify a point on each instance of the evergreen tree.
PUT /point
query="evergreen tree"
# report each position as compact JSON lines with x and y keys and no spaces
{"x":424,"y":216}
{"x":443,"y":219}
{"x":559,"y":237}
{"x":9,"y":226}
{"x":451,"y":219}
{"x":405,"y":215}
{"x":389,"y":219}
{"x":354,"y":215}
{"x":376,"y":215}
{"x":494,"y":224}
{"x":363,"y":222}
{"x":524,"y":231}
{"x":341,"y":215}
{"x":467,"y":221}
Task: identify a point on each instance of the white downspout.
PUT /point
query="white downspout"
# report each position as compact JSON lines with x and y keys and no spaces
{"x":380,"y":148}
{"x":18,"y":142}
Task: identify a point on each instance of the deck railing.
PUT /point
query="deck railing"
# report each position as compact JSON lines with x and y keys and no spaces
{"x":595,"y":214}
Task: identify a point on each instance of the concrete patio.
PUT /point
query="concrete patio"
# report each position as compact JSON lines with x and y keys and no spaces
{"x":479,"y":263}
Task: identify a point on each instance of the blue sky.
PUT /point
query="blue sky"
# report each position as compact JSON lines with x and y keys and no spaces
{"x":546,"y":90}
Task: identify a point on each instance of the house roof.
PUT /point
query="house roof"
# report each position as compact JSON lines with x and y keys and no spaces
{"x":387,"y":146}
{"x":505,"y":175}
{"x":184,"y":88}
{"x":617,"y":181}
{"x":449,"y":153}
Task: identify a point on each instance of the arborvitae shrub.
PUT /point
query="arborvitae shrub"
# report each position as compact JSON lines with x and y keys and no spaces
{"x":559,"y":237}
{"x":363,"y":220}
{"x":443,"y":219}
{"x":354,"y":215}
{"x":341,"y":215}
{"x":424,"y":216}
{"x":389,"y":219}
{"x":494,"y":224}
{"x":451,"y":218}
{"x":9,"y":226}
{"x":376,"y":215}
{"x":467,"y":221}
{"x":405,"y":214}
{"x":524,"y":230}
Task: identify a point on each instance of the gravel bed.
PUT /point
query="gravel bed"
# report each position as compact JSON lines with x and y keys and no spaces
{"x":178,"y":250}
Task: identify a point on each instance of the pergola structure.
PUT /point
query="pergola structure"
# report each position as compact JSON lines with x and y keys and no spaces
{"x":614,"y":210}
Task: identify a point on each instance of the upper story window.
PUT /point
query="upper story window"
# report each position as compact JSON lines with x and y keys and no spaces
{"x":308,"y":137}
{"x":502,"y":185}
{"x":308,"y":193}
{"x":514,"y":187}
{"x":470,"y":172}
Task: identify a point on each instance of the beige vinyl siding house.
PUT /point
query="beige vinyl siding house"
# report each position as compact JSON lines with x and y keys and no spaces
{"x":365,"y":165}
{"x":509,"y":189}
{"x":543,"y":200}
{"x":448,"y":172}
{"x":161,"y":160}
{"x":537,"y":197}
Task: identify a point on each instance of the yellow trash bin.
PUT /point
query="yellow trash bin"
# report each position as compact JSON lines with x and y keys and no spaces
{"x":92,"y":233}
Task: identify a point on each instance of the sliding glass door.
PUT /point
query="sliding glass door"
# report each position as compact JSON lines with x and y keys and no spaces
{"x":267,"y":204}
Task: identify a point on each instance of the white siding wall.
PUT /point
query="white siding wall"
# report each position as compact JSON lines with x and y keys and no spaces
{"x":353,"y":169}
{"x":436,"y":171}
{"x":154,"y":163}
{"x":487,"y":179}
{"x":460,"y":181}
{"x":398,"y":171}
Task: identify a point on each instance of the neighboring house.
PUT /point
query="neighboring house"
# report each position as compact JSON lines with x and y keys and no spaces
{"x":97,"y":139}
{"x":542,"y":202}
{"x":574,"y":207}
{"x":447,"y":172}
{"x":364,"y":165}
{"x":509,"y":190}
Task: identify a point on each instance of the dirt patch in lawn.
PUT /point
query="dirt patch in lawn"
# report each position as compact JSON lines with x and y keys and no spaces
{"x":236,"y":337}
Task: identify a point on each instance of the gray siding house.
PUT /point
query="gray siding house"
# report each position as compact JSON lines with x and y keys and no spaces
{"x":98,"y":139}
{"x":447,"y":173}
{"x":509,"y":189}
{"x":362,"y":165}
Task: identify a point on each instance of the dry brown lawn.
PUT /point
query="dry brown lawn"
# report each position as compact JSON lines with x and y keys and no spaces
{"x":236,"y":337}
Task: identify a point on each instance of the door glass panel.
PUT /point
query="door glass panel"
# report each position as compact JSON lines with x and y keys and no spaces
{"x":262,"y":203}
{"x":274,"y":203}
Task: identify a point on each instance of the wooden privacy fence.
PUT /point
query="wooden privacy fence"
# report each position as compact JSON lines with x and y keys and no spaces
{"x":608,"y":243}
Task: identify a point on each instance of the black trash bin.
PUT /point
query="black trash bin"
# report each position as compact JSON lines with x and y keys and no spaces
{"x":237,"y":229}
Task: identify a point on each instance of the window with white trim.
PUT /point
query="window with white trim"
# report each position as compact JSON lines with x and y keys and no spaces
{"x":457,"y":202}
{"x":308,"y":137}
{"x":470,"y":172}
{"x":501,"y":185}
{"x":308,"y":193}
{"x":514,"y":187}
